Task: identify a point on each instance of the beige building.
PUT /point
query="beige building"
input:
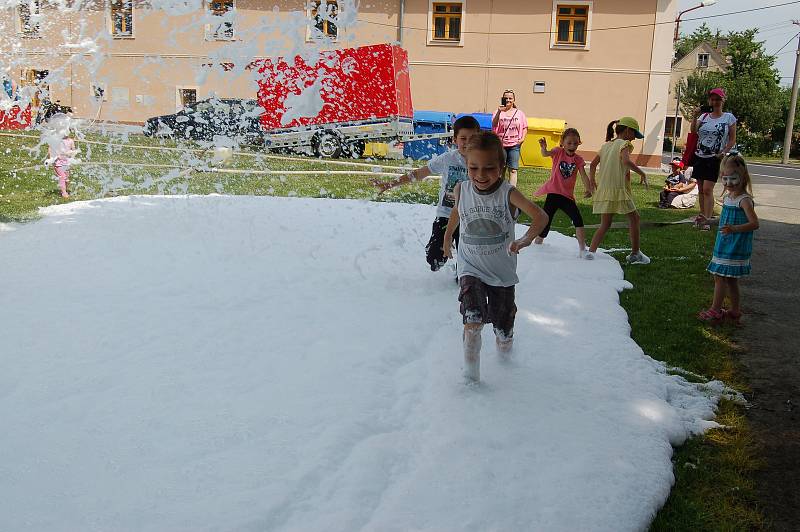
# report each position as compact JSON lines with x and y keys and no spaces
{"x":584,"y":61}
{"x":704,"y":57}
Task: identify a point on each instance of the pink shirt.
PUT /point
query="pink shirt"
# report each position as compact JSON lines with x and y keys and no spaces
{"x":564,"y":174}
{"x":512,"y":127}
{"x":63,"y":151}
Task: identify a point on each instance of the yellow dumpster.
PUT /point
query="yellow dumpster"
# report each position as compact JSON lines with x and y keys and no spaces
{"x":376,"y":149}
{"x":549,"y":128}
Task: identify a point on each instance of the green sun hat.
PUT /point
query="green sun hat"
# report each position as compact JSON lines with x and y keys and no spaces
{"x":631,"y":122}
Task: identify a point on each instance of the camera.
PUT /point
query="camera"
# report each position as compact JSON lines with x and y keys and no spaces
{"x":503,"y":101}
{"x":706,"y":108}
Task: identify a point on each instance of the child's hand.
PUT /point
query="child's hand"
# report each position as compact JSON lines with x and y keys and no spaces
{"x":727,"y":230}
{"x":447,"y":247}
{"x":517,"y":245}
{"x":543,"y":142}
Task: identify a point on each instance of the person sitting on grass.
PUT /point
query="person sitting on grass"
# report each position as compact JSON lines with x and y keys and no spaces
{"x":677,"y":185}
{"x":486,"y":208}
{"x":453,"y":169}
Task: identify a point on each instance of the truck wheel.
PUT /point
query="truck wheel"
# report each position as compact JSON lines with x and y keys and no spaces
{"x":327,"y":145}
{"x":354,"y":149}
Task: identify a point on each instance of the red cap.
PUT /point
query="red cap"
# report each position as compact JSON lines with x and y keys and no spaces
{"x":719,"y":91}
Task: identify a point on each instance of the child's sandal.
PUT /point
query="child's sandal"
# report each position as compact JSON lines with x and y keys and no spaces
{"x":710,"y":316}
{"x":733,"y":317}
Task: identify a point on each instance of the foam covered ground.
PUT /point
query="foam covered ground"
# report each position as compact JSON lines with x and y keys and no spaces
{"x":257,"y":363}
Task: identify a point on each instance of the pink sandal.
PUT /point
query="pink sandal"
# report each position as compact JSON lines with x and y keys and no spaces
{"x":711,"y":316}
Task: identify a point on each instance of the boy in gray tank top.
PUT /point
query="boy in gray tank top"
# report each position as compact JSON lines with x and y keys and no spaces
{"x":486,"y":208}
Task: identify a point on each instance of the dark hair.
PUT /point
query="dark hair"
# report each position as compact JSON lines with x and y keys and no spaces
{"x":465,"y":122}
{"x":569,"y":132}
{"x":488,"y":141}
{"x":614,"y":129}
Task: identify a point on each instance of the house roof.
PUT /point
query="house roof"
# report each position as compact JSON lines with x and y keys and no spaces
{"x":688,"y":62}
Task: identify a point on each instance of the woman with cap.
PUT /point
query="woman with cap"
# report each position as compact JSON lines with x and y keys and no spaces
{"x":511,"y":125}
{"x":716,"y":135}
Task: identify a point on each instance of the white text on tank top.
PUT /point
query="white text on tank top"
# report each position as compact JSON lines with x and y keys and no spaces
{"x":486,"y":229}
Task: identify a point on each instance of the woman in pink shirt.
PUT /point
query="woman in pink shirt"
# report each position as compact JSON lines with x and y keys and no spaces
{"x":511,"y":125}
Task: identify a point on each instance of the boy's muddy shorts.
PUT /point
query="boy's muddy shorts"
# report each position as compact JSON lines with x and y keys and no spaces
{"x":481,"y":303}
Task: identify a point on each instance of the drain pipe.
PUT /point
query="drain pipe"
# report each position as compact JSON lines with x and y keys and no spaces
{"x":400,"y":22}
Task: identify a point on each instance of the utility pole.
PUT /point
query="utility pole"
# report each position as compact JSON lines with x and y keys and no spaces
{"x":787,"y":141}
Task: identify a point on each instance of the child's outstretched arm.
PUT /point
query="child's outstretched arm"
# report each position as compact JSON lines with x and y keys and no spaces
{"x":543,"y":146}
{"x":414,"y":175}
{"x":587,"y":185}
{"x":593,"y":171}
{"x":752,"y":220}
{"x":452,"y":223}
{"x":625,"y":154}
{"x":539,"y":220}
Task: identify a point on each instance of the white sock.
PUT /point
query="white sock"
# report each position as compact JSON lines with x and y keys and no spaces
{"x":472,"y":354}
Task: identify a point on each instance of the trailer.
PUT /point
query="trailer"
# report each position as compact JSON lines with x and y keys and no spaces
{"x":338,"y":101}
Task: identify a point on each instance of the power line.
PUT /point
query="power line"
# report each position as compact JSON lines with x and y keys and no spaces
{"x":787,"y":44}
{"x":589,"y":30}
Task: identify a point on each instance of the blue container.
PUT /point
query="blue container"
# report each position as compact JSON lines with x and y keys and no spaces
{"x":428,"y":122}
{"x":484,"y":119}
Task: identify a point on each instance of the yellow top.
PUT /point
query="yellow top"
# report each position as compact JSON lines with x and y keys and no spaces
{"x":613,"y":195}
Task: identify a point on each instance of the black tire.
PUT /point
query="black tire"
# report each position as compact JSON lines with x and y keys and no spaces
{"x":355,"y":149}
{"x":327,"y":145}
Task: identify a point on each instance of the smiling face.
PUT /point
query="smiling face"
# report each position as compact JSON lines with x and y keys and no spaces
{"x":484,"y":168}
{"x":510,"y":98}
{"x":731,"y":178}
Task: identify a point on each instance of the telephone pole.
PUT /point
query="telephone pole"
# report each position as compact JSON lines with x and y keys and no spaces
{"x":787,"y":141}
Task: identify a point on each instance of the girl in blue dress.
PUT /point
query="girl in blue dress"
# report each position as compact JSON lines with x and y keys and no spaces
{"x":734,"y":244}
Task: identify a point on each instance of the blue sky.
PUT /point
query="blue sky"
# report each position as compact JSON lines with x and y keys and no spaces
{"x":775,"y":25}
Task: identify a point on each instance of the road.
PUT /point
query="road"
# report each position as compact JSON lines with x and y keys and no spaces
{"x":769,"y":174}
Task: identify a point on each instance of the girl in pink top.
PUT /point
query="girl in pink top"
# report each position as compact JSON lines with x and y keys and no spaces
{"x":560,"y":188}
{"x":511,"y":125}
{"x":61,"y":157}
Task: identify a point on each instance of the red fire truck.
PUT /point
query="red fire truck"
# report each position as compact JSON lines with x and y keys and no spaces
{"x":338,"y":100}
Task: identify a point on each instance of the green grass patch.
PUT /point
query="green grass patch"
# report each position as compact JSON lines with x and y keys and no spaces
{"x":713,"y":490}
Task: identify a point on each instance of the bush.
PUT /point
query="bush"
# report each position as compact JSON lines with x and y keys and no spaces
{"x":754,"y":144}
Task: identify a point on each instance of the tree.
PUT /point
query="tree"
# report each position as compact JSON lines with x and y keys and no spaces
{"x":687,"y":43}
{"x":751,"y":82}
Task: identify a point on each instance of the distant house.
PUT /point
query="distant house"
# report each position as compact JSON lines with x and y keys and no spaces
{"x":583,"y":61}
{"x":704,"y":56}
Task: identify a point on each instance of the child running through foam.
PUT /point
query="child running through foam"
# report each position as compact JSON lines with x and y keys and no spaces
{"x":453,"y":169}
{"x":734,"y":244}
{"x":613,"y":190}
{"x":486,"y":208}
{"x":61,"y":154}
{"x":560,"y":188}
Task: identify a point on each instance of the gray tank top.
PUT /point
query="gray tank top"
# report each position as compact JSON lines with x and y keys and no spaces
{"x":486,"y":229}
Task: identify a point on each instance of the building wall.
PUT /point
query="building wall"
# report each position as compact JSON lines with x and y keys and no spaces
{"x":506,"y":44}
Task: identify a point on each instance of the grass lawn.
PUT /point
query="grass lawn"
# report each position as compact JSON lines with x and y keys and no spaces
{"x":714,"y":489}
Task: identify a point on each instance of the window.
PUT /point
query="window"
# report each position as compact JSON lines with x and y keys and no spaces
{"x":446,"y":21}
{"x":223,"y":30}
{"x":572,"y":24}
{"x":702,"y":60}
{"x":669,"y":126}
{"x":29,"y":15}
{"x":323,"y":17}
{"x":121,"y":18}
{"x":186,"y":97}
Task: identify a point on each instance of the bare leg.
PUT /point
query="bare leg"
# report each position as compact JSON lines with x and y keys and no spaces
{"x":580,"y":234}
{"x":720,"y":286}
{"x":733,"y":295}
{"x":512,"y":177}
{"x":472,"y":351}
{"x":504,"y":342}
{"x":605,"y":224}
{"x":633,"y":229}
{"x":708,"y":205}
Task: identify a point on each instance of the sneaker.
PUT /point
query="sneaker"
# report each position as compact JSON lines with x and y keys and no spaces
{"x":585,"y":254}
{"x":638,"y":258}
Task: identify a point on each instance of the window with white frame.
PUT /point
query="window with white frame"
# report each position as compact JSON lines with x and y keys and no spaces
{"x":572,"y":23}
{"x":29,"y":12}
{"x":702,"y":60}
{"x":223,"y":29}
{"x":323,"y":15}
{"x":121,"y":12}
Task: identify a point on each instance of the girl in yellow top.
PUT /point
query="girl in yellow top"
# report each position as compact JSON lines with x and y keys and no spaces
{"x":613,"y":187}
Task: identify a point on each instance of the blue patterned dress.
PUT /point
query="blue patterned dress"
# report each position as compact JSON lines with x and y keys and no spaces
{"x":732,"y":252}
